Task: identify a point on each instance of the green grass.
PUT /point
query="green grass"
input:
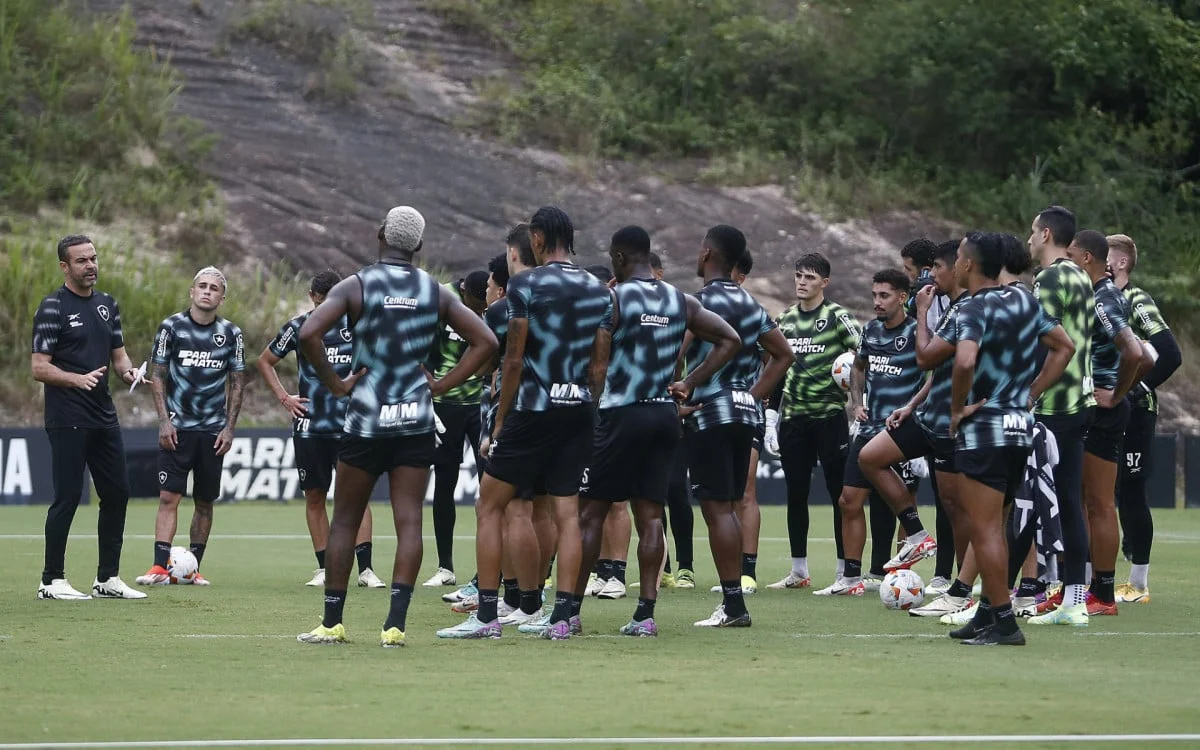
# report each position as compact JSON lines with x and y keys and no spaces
{"x":796,"y":672}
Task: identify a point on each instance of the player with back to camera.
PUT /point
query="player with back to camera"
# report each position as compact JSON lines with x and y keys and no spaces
{"x":395,"y":310}
{"x":199,"y":363}
{"x":317,"y":421}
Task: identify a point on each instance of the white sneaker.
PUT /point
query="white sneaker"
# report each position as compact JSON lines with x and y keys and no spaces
{"x":115,"y":588}
{"x":872,"y":583}
{"x":910,"y":554}
{"x":613,"y":589}
{"x":460,"y":593}
{"x":937,"y":586}
{"x":943,"y":605}
{"x":1024,"y":606}
{"x":843,"y":587}
{"x":442,"y":577}
{"x":59,"y":588}
{"x":504,"y":609}
{"x":718,"y":619}
{"x":594,"y":586}
{"x":960,"y":618}
{"x":318,"y":578}
{"x":370,"y":580}
{"x":791,"y":581}
{"x":520,"y":618}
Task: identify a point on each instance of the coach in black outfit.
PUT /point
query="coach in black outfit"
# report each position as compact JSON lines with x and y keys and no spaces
{"x":76,"y":334}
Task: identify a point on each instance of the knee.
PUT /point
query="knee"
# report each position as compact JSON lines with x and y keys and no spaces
{"x":168,"y":500}
{"x":315,"y":502}
{"x":850,"y":504}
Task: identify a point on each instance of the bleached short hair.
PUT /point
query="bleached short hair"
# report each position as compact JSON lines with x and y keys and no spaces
{"x":211,"y":271}
{"x":403,"y":229}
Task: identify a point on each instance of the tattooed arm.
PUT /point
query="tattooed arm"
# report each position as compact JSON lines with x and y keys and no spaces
{"x":233,"y":409}
{"x":167,"y":439}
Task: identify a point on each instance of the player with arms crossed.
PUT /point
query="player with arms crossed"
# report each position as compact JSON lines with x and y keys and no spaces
{"x":318,"y":418}
{"x":199,"y":375}
{"x":395,"y":310}
{"x":992,"y":390}
{"x":556,"y":355}
{"x":638,"y":430}
{"x":76,"y":335}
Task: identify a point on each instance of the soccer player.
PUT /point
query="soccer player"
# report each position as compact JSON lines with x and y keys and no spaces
{"x":748,"y":513}
{"x":992,"y":386}
{"x":637,"y":432}
{"x":76,"y":336}
{"x":812,"y":408}
{"x":458,"y":410}
{"x":720,"y":429}
{"x":886,"y":369}
{"x":396,"y":311}
{"x":1067,"y":407}
{"x":1116,"y":361}
{"x":1136,"y":521}
{"x":199,"y":374}
{"x":656,"y":266}
{"x":555,"y":359}
{"x":917,"y":257}
{"x":317,"y":421}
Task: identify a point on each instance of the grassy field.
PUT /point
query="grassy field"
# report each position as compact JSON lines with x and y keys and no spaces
{"x":222,"y":663}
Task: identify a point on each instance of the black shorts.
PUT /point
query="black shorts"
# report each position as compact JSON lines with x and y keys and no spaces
{"x":760,"y":436}
{"x":854,"y":477}
{"x":316,"y":457}
{"x":633,"y":453}
{"x":544,"y":449}
{"x":195,"y":453}
{"x":915,"y":441}
{"x":1001,"y":468}
{"x":462,"y":421}
{"x":719,"y":461}
{"x":1107,"y":433}
{"x":379,"y":455}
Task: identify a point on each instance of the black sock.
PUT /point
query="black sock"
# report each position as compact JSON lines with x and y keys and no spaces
{"x":603,"y":569}
{"x":852,"y":569}
{"x":531,"y":601}
{"x":983,"y":615}
{"x":958,"y":589}
{"x":335,"y":603}
{"x":1103,"y":585}
{"x":1028,"y":587}
{"x":320,"y":558}
{"x":488,"y":599}
{"x":1006,"y":621}
{"x":910,"y":521}
{"x":363,"y":553}
{"x":731,"y":596}
{"x":198,"y":551}
{"x":162,"y":554}
{"x":576,"y":604}
{"x":1040,"y":586}
{"x":750,"y":565}
{"x":645,"y":610}
{"x":398,"y":610}
{"x":512,"y":594}
{"x":618,"y":570}
{"x":562,"y":606}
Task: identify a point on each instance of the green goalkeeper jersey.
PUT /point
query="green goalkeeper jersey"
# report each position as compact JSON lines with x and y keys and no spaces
{"x":817,"y":338}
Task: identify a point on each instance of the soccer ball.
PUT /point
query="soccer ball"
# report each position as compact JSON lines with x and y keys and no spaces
{"x":902,"y":589}
{"x":182,"y":565}
{"x":841,"y":370}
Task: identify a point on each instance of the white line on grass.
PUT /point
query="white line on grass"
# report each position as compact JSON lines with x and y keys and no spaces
{"x":475,"y":741}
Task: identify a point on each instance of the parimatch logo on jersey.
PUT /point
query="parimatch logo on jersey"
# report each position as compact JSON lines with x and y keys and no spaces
{"x":883,"y":365}
{"x":337,"y":359}
{"x":206,"y":360}
{"x":805,"y":345}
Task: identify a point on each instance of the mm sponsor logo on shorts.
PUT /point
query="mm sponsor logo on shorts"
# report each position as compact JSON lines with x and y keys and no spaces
{"x":1016,"y":424}
{"x":805,"y":345}
{"x":883,"y":365}
{"x":335,"y":358}
{"x":743,"y":399}
{"x":400,"y":303}
{"x":16,"y":478}
{"x":394,"y":414}
{"x":206,"y":360}
{"x":656,"y":321}
{"x":568,"y":393}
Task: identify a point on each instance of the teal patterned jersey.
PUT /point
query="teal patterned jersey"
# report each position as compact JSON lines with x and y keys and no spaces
{"x":1112,"y":317}
{"x":648,"y":330}
{"x":893,"y":376}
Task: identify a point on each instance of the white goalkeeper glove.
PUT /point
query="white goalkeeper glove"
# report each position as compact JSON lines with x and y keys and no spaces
{"x":771,"y":437}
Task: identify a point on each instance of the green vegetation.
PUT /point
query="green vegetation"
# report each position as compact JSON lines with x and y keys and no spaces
{"x":87,"y":121}
{"x":327,"y":33}
{"x":981,"y":111}
{"x":228,"y":653}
